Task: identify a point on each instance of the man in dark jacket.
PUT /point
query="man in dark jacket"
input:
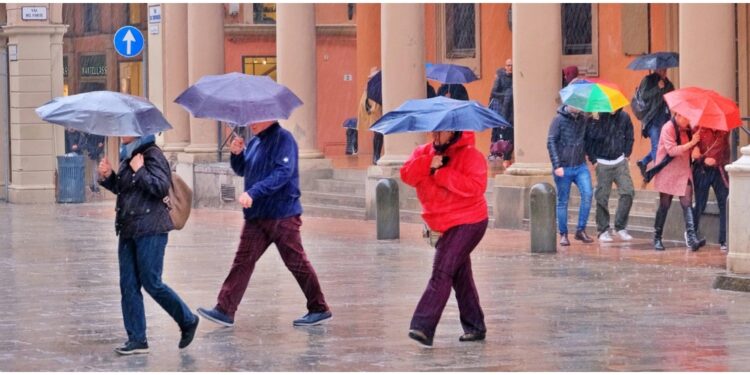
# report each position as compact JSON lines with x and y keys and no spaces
{"x":272,"y":212}
{"x":142,"y":221}
{"x":566,"y":146}
{"x":709,"y":159}
{"x":653,"y":87}
{"x":609,"y":142}
{"x":501,"y":101}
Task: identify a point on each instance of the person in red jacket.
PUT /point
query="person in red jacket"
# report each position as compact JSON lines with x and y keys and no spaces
{"x":450,"y":176}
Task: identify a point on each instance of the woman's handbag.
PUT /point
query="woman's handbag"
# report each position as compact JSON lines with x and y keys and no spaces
{"x":179,"y":201}
{"x":501,"y":147}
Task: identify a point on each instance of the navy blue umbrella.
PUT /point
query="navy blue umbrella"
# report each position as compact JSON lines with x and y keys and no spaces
{"x":450,"y":73}
{"x":438,"y":114}
{"x":375,"y":88}
{"x":657,"y":60}
{"x":105,"y":113}
{"x":239,"y":99}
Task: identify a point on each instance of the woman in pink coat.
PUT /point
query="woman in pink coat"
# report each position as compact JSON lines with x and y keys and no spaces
{"x":675,"y":179}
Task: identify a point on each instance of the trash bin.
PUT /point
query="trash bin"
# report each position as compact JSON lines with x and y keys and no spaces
{"x":70,"y":178}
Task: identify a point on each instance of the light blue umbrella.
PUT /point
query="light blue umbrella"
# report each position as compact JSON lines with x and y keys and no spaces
{"x":106,"y":113}
{"x":438,"y":114}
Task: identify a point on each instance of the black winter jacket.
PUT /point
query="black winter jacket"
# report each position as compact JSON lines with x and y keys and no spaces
{"x":502,"y":92}
{"x":609,"y":137}
{"x":566,"y":139}
{"x":140,"y":208}
{"x":653,"y":96}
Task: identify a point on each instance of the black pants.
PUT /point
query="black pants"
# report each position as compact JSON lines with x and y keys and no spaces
{"x":706,"y":177}
{"x":377,"y":147}
{"x":351,"y":141}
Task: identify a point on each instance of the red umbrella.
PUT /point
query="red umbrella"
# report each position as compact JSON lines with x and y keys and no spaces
{"x":704,"y":108}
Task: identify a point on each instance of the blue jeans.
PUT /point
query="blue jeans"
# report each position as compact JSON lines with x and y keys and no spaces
{"x":141,"y":263}
{"x":654,"y":132}
{"x":580,"y":176}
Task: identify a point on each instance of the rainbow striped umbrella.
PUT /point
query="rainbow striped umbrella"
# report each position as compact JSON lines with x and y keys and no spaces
{"x":593,"y":95}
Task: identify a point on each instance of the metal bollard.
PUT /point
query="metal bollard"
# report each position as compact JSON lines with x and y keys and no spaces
{"x":387,"y":209}
{"x":542,"y":218}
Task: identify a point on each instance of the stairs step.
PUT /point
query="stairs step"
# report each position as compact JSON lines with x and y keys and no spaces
{"x":333,"y":199}
{"x":341,"y":186}
{"x":342,"y":212}
{"x":358,"y":175}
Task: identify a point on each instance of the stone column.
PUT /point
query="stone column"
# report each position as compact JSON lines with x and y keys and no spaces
{"x":36,"y":76}
{"x":708,"y":54}
{"x":403,"y":57}
{"x":537,"y":46}
{"x":402,"y":63}
{"x":4,"y":125}
{"x":168,"y":73}
{"x":738,"y":259}
{"x":297,"y":70}
{"x":205,"y":56}
{"x":368,"y":56}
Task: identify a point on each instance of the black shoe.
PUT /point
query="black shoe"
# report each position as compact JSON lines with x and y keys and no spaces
{"x":187,"y":334}
{"x":642,"y":168}
{"x":132,"y":347}
{"x":564,"y":240}
{"x":658,"y":245}
{"x":473,"y":336}
{"x":420,"y":337}
{"x":583,"y":237}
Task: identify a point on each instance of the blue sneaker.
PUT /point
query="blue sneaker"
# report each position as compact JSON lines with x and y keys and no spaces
{"x":313,"y":318}
{"x":216,"y":316}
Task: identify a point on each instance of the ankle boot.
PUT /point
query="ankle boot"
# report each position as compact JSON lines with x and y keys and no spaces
{"x":690,"y":238}
{"x":661,"y":218}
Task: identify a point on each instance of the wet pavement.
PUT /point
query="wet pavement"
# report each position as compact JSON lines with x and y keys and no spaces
{"x":604,"y":308}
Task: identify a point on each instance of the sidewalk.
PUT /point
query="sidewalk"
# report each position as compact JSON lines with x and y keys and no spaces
{"x":607,"y":308}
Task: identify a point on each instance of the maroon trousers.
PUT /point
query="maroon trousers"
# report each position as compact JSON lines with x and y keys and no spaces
{"x":452,"y":268}
{"x":257,"y":236}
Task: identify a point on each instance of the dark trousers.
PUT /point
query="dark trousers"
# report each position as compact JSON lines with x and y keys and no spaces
{"x":351,"y":141}
{"x":377,"y":147}
{"x":705,"y":177}
{"x":141,"y":264}
{"x":256,"y":237}
{"x":452,"y":268}
{"x":605,"y":176}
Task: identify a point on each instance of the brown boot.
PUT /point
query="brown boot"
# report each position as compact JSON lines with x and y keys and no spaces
{"x":564,"y":240}
{"x":583,"y":237}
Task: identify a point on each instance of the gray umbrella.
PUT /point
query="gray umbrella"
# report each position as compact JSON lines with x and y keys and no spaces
{"x":105,"y":113}
{"x":239,"y":99}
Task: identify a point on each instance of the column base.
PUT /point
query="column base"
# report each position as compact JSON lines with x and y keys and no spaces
{"x":175,"y":147}
{"x":530,"y":169}
{"x":511,"y":194}
{"x":738,"y":262}
{"x":31,"y":194}
{"x":202,"y":153}
{"x":733,"y":282}
{"x":389,"y":160}
{"x":310,"y":154}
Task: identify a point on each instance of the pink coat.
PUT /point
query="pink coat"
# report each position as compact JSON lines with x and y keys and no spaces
{"x":673,"y":179}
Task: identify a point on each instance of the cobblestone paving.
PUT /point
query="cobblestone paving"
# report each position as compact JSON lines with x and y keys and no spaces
{"x":605,"y":308}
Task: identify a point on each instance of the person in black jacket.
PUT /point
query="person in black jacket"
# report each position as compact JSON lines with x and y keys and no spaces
{"x":501,"y":101}
{"x":142,"y":222}
{"x":609,"y":142}
{"x":453,"y":90}
{"x":565,"y":144}
{"x":653,"y":87}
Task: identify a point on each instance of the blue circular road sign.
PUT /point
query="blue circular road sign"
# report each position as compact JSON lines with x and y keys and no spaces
{"x":128,"y":41}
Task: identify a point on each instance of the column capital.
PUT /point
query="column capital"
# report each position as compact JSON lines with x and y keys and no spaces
{"x":11,"y":30}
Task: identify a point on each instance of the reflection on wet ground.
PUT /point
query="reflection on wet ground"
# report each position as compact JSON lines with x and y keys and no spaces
{"x":587,"y":308}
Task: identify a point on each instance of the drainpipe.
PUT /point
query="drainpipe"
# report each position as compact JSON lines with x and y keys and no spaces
{"x":4,"y":117}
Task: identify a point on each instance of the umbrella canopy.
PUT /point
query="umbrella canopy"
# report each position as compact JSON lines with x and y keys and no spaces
{"x":704,"y":108}
{"x":239,"y":99}
{"x":657,"y":60}
{"x":105,"y":113}
{"x":438,"y":114}
{"x":450,"y":73}
{"x":375,"y":88}
{"x":593,"y":95}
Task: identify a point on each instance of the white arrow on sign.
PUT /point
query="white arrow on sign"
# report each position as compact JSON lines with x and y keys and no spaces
{"x":129,"y":39}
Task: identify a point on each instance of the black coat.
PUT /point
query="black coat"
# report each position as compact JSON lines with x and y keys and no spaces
{"x":566,"y":139}
{"x":653,"y":97}
{"x":140,"y":208}
{"x":609,"y":137}
{"x":502,"y":94}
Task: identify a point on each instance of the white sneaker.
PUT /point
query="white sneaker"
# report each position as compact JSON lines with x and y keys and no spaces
{"x":723,"y":246}
{"x":624,"y":235}
{"x":605,"y":237}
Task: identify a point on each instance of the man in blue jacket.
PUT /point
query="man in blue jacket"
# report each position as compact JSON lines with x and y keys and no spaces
{"x":272,"y":212}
